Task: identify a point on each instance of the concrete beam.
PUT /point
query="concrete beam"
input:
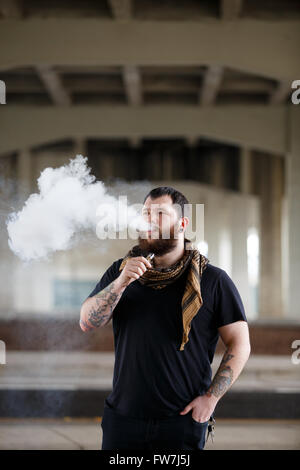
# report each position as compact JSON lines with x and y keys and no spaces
{"x":122,"y":10}
{"x":258,"y":127}
{"x":280,"y":94}
{"x":267,"y":48}
{"x":211,"y":85}
{"x":133,"y":87}
{"x":163,"y":84}
{"x":246,"y":85}
{"x":53,"y":85}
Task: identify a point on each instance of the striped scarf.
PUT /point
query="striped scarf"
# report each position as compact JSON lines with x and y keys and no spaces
{"x":158,"y":278}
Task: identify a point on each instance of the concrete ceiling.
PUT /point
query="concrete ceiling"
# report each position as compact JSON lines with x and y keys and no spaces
{"x":139,"y":54}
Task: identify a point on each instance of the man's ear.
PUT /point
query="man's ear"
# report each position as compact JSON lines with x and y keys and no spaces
{"x":184,"y":222}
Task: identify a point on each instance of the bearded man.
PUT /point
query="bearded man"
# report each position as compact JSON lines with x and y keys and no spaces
{"x":167,"y":315}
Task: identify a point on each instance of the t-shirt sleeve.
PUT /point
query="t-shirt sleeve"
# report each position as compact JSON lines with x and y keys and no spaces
{"x":229,"y":307}
{"x":109,"y":276}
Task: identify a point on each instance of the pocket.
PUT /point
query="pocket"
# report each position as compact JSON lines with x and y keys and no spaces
{"x":195,"y":434}
{"x":199,"y":424}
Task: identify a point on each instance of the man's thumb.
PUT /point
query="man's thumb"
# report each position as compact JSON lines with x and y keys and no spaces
{"x":186,"y":409}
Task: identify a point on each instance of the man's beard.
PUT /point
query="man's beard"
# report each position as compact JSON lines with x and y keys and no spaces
{"x":159,"y":246}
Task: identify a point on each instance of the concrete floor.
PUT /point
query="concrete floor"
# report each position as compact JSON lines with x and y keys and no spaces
{"x":72,"y":434}
{"x":93,"y":371}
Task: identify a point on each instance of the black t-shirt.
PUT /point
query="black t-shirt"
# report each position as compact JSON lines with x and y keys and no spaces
{"x":152,"y":378}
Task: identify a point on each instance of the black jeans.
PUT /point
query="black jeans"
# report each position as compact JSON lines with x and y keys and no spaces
{"x":170,"y":433}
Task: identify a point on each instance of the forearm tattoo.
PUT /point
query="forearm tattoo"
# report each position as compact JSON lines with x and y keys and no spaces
{"x":85,"y":325}
{"x":223,"y":378}
{"x":102,"y":310}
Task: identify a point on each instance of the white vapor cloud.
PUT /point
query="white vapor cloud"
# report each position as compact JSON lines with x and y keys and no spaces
{"x":66,"y":204}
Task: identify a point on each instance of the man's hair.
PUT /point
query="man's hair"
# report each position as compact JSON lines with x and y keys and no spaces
{"x":176,"y":196}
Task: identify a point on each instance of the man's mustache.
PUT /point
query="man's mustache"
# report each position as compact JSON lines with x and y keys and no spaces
{"x":152,"y":228}
{"x":159,"y":234}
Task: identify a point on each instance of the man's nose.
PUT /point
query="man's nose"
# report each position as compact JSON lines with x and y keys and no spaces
{"x":155,"y":220}
{"x":148,"y":219}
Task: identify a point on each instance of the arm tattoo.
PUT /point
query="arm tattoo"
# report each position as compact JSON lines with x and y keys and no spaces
{"x":223,"y":378}
{"x":105,"y":302}
{"x":85,"y":325}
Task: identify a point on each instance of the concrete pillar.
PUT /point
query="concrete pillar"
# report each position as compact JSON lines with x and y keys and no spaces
{"x":167,"y":165}
{"x":285,"y":252}
{"x":7,"y":203}
{"x":245,"y":170}
{"x":217,"y":170}
{"x":242,"y":220}
{"x":193,"y":164}
{"x":154,"y":166}
{"x":24,"y":173}
{"x":106,"y":161}
{"x":23,"y":291}
{"x":212,"y":226}
{"x":239,"y":234}
{"x":80,"y":146}
{"x":135,"y":142}
{"x":269,"y":174}
{"x":293,"y":212}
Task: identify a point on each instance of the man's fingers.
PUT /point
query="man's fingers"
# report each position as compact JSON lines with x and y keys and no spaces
{"x":136,"y":267}
{"x":136,"y":271}
{"x":141,"y":262}
{"x":140,"y":271}
{"x":186,"y":409}
{"x":141,"y":265}
{"x":139,"y":268}
{"x":145,"y":261}
{"x":133,"y":274}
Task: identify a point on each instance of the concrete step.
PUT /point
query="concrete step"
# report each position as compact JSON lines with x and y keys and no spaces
{"x":52,"y":384}
{"x":94,"y":370}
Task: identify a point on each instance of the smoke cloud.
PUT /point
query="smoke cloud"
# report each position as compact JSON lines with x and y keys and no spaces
{"x":68,"y":200}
